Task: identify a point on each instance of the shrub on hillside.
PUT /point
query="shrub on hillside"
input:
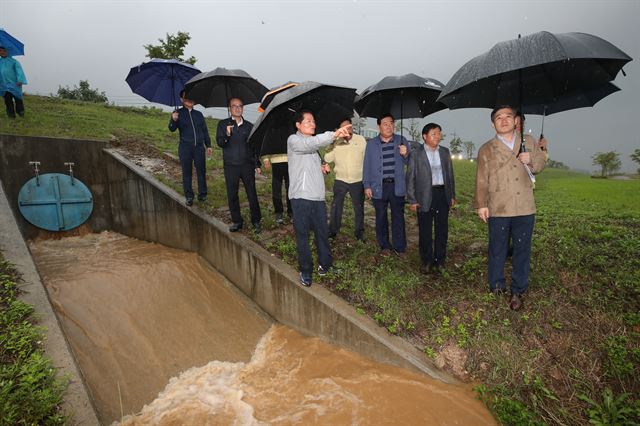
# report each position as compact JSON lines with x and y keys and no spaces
{"x":82,"y":93}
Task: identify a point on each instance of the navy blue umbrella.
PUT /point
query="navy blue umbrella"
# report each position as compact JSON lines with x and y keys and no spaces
{"x":161,"y":80}
{"x":13,"y":46}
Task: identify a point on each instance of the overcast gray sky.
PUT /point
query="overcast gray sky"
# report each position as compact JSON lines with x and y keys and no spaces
{"x":351,"y":43}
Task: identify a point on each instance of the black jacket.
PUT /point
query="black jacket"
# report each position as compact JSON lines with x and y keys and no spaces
{"x":236,"y":150}
{"x":193,"y":128}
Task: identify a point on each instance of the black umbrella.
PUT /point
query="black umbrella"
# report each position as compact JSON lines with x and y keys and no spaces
{"x":215,"y":88}
{"x":329,"y":105}
{"x":268,"y":97}
{"x":405,"y":96}
{"x":534,"y":70}
{"x":569,"y":101}
{"x":578,"y":99}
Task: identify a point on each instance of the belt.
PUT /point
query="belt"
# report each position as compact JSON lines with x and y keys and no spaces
{"x":388,"y":180}
{"x":437,"y":187}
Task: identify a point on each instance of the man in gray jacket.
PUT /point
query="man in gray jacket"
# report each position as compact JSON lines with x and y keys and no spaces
{"x":431,"y":191}
{"x":307,"y":192}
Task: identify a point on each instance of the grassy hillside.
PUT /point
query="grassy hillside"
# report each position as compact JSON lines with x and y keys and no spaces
{"x":570,"y":357}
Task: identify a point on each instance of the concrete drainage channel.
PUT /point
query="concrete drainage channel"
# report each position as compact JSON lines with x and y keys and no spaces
{"x":132,"y":202}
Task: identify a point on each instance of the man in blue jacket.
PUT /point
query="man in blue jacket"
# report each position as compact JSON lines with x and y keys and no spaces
{"x":241,"y":163}
{"x":194,"y":137}
{"x":384,"y":182}
{"x":12,"y":79}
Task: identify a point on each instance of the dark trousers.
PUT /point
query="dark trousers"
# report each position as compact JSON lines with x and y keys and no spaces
{"x":280,"y":175}
{"x":9,"y":99}
{"x":311,"y":216}
{"x":397,"y":219}
{"x":232,"y":177}
{"x":356,"y":192}
{"x":434,"y":251}
{"x":520,"y":230}
{"x":191,"y":155}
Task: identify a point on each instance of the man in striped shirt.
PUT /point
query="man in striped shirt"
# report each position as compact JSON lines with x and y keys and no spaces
{"x":384,"y":182}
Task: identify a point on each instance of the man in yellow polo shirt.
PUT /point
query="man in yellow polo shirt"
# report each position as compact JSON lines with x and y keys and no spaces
{"x":347,"y":155}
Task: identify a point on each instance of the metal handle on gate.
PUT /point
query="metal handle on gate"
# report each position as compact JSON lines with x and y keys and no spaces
{"x":70,"y":170}
{"x":35,"y":165}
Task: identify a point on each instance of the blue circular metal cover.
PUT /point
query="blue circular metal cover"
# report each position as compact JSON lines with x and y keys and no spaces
{"x":55,"y":202}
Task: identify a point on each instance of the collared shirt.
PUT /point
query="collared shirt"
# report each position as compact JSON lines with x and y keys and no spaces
{"x":388,"y":160}
{"x":433,"y":155}
{"x":508,"y":143}
{"x":348,"y":158}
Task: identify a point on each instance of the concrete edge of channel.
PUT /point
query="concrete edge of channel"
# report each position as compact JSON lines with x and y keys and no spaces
{"x":77,"y":402}
{"x":399,"y":352}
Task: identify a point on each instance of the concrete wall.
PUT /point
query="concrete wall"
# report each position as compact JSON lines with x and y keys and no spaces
{"x":15,"y":171}
{"x":138,"y":205}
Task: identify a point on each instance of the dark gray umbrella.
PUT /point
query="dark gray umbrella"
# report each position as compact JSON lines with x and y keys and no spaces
{"x":215,"y":88}
{"x":574,"y":100}
{"x":578,"y":99}
{"x":405,"y":96}
{"x":329,"y":105}
{"x":534,"y":70}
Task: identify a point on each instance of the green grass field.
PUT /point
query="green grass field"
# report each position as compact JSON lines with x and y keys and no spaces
{"x":572,"y":356}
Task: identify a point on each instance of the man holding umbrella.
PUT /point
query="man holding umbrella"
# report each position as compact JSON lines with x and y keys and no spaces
{"x":504,"y":199}
{"x":240,"y":164}
{"x":11,"y":80}
{"x":194,"y":137}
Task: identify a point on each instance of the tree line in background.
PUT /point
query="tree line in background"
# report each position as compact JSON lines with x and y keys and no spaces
{"x":609,"y":162}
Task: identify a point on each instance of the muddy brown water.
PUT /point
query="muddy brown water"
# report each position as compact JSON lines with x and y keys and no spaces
{"x":164,"y":339}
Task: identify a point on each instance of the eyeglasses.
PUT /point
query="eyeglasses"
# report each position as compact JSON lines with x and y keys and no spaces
{"x":237,"y":106}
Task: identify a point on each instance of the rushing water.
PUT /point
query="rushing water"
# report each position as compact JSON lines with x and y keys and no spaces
{"x":138,"y":314}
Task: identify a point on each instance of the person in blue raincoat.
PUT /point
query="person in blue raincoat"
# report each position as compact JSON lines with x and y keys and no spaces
{"x":12,"y":79}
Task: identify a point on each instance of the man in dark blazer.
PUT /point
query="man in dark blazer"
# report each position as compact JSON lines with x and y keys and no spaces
{"x":240,"y":164}
{"x":431,"y":191}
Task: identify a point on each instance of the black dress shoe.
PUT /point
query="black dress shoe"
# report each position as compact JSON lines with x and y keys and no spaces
{"x":202,"y":199}
{"x":498,"y":292}
{"x":235,"y":227}
{"x":516,"y":302}
{"x":189,"y":202}
{"x":257,"y":228}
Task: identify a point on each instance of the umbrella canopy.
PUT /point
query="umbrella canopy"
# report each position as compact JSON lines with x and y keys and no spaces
{"x":405,"y":96}
{"x":215,"y":88}
{"x":268,"y":97}
{"x":578,"y":99}
{"x":160,"y":80}
{"x":534,"y":70}
{"x":13,"y":46}
{"x":328,"y":103}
